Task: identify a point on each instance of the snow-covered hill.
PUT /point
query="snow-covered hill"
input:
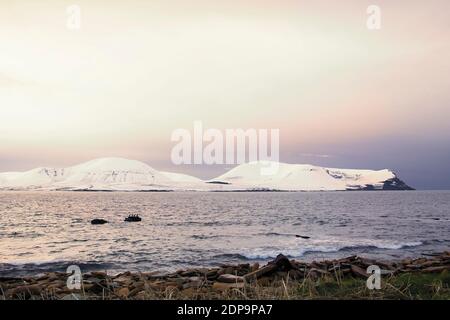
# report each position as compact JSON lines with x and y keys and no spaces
{"x":293,"y":177}
{"x":109,"y":174}
{"x":118,"y":174}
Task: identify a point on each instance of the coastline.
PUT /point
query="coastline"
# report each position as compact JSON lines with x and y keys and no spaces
{"x":346,"y":278}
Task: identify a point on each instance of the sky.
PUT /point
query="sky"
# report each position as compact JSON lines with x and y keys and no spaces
{"x":341,"y":95}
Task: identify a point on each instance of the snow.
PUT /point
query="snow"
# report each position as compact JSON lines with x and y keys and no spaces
{"x":303,"y":177}
{"x":119,"y":174}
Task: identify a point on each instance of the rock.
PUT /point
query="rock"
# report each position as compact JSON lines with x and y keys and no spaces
{"x":254,"y":267}
{"x":357,"y":271}
{"x":436,"y":269}
{"x":99,"y":274}
{"x":133,"y":218}
{"x":25,"y":292}
{"x":123,"y":281}
{"x":190,"y":273}
{"x":260,"y":272}
{"x":194,"y":279}
{"x":295,"y":274}
{"x":281,"y":263}
{"x":123,"y":293}
{"x":367,"y":262}
{"x":264,"y":281}
{"x":212,"y":275}
{"x":98,"y":221}
{"x":406,"y":261}
{"x":135,"y":291}
{"x":57,"y":285}
{"x":230,"y":278}
{"x":221,"y":286}
{"x":88,"y":286}
{"x":282,"y":274}
{"x":319,"y":271}
{"x":413,"y":266}
{"x":431,"y":263}
{"x":141,"y":295}
{"x":226,"y":270}
{"x":52,"y":276}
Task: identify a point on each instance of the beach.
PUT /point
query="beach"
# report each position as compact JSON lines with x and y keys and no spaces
{"x":425,"y":277}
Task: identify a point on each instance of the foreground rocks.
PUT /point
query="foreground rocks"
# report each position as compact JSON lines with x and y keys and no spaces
{"x":209,"y":282}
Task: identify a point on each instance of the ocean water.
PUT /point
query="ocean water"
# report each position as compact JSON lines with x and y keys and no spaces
{"x":44,"y":231}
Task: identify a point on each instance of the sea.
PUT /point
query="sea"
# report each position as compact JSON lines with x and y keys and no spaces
{"x":49,"y":231}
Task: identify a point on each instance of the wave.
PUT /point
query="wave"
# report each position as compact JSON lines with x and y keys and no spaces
{"x":271,"y":253}
{"x":14,"y":269}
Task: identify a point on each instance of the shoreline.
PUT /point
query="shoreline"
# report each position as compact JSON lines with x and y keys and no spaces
{"x":281,"y":278}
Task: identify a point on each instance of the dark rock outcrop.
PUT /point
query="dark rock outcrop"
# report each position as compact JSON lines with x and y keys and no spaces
{"x":98,"y":221}
{"x":396,"y":184}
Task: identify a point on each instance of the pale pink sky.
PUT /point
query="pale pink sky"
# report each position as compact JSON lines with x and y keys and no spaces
{"x":137,"y":70}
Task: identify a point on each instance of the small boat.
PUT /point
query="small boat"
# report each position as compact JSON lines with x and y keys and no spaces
{"x":133,"y":218}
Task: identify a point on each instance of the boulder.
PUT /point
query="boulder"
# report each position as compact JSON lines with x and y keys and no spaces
{"x":254,"y":267}
{"x":123,"y":293}
{"x":281,"y":263}
{"x":25,"y":292}
{"x":436,"y":269}
{"x":230,"y":278}
{"x":222,"y":286}
{"x":98,"y":221}
{"x":359,"y":272}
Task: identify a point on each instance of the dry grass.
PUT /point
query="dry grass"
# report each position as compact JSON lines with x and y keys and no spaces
{"x":403,"y":286}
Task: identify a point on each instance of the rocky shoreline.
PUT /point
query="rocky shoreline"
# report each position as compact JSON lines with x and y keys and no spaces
{"x":246,"y":281}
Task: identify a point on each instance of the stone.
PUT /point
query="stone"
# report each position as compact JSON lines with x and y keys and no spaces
{"x":281,"y":263}
{"x":436,"y":269}
{"x":230,"y":278}
{"x":98,"y":221}
{"x":189,"y":273}
{"x":26,"y":291}
{"x":221,"y":286}
{"x":226,"y":270}
{"x":123,"y":293}
{"x":141,"y":295}
{"x":98,"y":274}
{"x":211,"y":273}
{"x":135,"y":291}
{"x":264,"y":281}
{"x":357,"y":271}
{"x":192,"y":284}
{"x":195,"y":279}
{"x":431,"y":263}
{"x":123,"y":280}
{"x":319,"y":271}
{"x":295,"y":274}
{"x":282,"y":274}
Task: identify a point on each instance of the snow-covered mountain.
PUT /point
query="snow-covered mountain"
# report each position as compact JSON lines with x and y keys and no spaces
{"x":303,"y":177}
{"x":118,"y":174}
{"x":109,"y":174}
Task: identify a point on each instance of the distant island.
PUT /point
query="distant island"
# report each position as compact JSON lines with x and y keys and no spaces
{"x":119,"y":174}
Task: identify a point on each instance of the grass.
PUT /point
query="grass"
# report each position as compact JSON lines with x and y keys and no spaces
{"x":423,"y":286}
{"x":405,"y":286}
